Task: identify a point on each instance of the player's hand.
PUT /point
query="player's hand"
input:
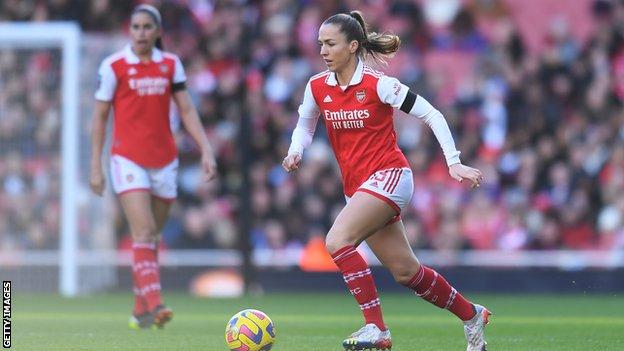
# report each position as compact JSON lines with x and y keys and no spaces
{"x":461,"y":173}
{"x":291,"y":162}
{"x":96,"y":181}
{"x":209,"y":167}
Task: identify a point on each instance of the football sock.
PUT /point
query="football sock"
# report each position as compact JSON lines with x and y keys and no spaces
{"x":432,"y":287}
{"x":146,"y":275}
{"x":140,"y":306}
{"x":357,"y":275}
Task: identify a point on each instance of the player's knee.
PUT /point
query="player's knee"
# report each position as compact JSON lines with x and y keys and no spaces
{"x":404,"y":274}
{"x":145,"y":234}
{"x":337,"y":239}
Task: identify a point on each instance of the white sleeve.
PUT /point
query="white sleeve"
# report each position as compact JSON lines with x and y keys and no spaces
{"x":391,"y":91}
{"x":306,"y":125}
{"x":107,"y":82}
{"x":178,"y":72}
{"x":434,"y":119}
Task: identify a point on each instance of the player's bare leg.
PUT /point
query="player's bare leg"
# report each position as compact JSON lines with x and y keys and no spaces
{"x":138,"y":210}
{"x":362,"y":216}
{"x":392,"y":248}
{"x":160,"y":209}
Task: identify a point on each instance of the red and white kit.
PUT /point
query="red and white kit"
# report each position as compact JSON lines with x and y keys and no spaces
{"x":359,"y":124}
{"x":144,"y":154}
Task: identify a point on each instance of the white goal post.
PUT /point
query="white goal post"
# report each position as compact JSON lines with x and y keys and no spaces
{"x":66,"y":36}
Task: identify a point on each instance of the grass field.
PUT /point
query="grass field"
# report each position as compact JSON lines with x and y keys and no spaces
{"x":318,"y":322}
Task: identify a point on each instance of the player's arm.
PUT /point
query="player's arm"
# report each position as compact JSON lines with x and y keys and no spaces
{"x":98,"y":131}
{"x":394,"y":93}
{"x":107,"y":83}
{"x":190,"y":119}
{"x":304,"y":131}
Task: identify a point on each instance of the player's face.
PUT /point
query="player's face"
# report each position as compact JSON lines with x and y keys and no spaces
{"x":144,"y":32}
{"x":335,"y":49}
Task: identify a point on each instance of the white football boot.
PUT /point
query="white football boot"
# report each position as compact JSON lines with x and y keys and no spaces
{"x":474,"y":329}
{"x":369,"y":337}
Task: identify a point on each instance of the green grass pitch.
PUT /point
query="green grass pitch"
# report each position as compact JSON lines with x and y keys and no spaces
{"x":318,"y":322}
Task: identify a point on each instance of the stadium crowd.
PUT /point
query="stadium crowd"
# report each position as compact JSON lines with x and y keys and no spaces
{"x":539,"y":112}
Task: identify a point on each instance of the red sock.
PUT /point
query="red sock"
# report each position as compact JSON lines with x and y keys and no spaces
{"x":357,"y":275}
{"x":432,"y":287}
{"x":140,"y":306}
{"x":147,"y":278}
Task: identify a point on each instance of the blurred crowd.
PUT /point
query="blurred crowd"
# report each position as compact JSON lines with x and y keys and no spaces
{"x":536,"y":107}
{"x":29,"y":149}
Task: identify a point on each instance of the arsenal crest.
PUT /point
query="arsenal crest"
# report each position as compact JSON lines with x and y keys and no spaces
{"x":164,"y":68}
{"x":360,"y":95}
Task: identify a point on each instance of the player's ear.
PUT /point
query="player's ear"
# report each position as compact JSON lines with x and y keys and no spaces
{"x":353,"y":46}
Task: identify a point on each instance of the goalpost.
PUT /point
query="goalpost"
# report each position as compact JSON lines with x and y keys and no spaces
{"x":65,"y":36}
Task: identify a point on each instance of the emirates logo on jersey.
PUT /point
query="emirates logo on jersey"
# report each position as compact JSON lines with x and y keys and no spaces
{"x":149,"y":85}
{"x":360,"y":95}
{"x":346,"y":119}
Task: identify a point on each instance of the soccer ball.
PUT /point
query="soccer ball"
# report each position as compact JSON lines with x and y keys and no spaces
{"x":250,"y":330}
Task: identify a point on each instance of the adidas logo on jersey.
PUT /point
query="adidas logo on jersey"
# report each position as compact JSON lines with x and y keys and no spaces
{"x":327,"y":99}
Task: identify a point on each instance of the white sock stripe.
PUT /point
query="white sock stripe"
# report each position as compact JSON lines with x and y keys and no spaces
{"x":366,"y":271}
{"x":451,"y":298}
{"x":353,"y":276}
{"x":433,"y":283}
{"x":419,"y":278}
{"x":141,"y":265}
{"x":345,"y":254}
{"x":147,"y":272}
{"x":150,"y":246}
{"x":149,"y":288}
{"x":370,"y":304}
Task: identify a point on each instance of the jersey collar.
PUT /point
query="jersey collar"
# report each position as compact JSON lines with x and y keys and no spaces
{"x":132,"y":58}
{"x":356,"y":79}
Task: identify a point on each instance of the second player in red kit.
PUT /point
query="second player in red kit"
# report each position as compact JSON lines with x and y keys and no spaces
{"x":139,"y":83}
{"x":356,"y":103}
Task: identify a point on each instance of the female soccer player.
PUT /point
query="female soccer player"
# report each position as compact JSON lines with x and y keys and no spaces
{"x":357,"y":104}
{"x":139,"y":82}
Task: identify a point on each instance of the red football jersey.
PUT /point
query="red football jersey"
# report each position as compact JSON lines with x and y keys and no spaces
{"x":141,"y":97}
{"x":359,"y":121}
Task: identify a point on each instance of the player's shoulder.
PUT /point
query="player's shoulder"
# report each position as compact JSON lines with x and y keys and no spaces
{"x":321,"y":76}
{"x":170,"y":56}
{"x":112,"y":59}
{"x":371,"y":72}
